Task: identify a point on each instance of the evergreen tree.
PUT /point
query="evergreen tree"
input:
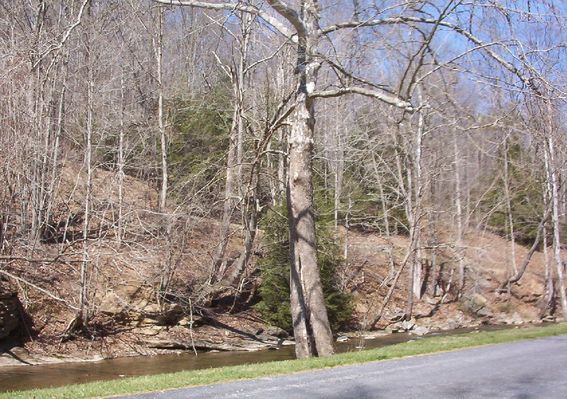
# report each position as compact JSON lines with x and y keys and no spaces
{"x":274,"y":267}
{"x":525,"y":199}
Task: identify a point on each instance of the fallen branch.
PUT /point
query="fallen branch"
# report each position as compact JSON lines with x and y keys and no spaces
{"x":516,"y":277}
{"x":58,"y":258}
{"x":391,"y":290}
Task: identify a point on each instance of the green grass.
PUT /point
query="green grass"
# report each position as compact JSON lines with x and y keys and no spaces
{"x":209,"y":376}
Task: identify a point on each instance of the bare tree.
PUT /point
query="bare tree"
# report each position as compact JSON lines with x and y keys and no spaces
{"x":303,"y":26}
{"x":84,"y":303}
{"x":158,"y":50}
{"x":553,"y":188}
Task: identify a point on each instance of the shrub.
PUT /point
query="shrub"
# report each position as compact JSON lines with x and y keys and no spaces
{"x":274,"y":267}
{"x":526,"y":201}
{"x":199,"y":143}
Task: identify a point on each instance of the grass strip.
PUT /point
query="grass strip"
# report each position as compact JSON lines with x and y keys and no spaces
{"x":215,"y":375}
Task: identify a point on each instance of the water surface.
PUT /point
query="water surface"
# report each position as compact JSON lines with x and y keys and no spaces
{"x":52,"y":375}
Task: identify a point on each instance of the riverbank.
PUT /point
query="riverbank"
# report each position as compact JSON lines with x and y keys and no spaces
{"x":227,"y":337}
{"x":127,"y":320}
{"x":215,"y":375}
{"x":65,"y":373}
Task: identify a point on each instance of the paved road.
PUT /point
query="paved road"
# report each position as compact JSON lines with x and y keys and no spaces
{"x":529,"y":369}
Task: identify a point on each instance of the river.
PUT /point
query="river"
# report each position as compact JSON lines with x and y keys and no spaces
{"x":52,"y":375}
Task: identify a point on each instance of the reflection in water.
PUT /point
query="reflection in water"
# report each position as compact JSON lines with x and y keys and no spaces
{"x":30,"y":377}
{"x":42,"y":376}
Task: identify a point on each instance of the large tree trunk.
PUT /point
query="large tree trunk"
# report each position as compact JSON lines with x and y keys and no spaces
{"x":417,"y":211}
{"x":553,"y":184}
{"x":311,"y":324}
{"x":306,"y":282}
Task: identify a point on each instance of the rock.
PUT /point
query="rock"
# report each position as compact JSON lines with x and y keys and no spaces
{"x":402,"y":326}
{"x":185,"y":322}
{"x":431,"y":301}
{"x":152,"y":310}
{"x":476,"y":303}
{"x":457,"y":321}
{"x":452,"y":325}
{"x":10,"y":321}
{"x":370,"y":334}
{"x":425,"y":310}
{"x":516,"y":319}
{"x":407,"y":325}
{"x":165,"y":343}
{"x":111,"y":304}
{"x":125,"y":298}
{"x":485,"y":312}
{"x":399,"y":316}
{"x":506,"y":318}
{"x":276,"y":332}
{"x":151,"y":331}
{"x":420,"y":330}
{"x":169,"y":343}
{"x":131,"y":303}
{"x":169,"y":315}
{"x":16,"y":356}
{"x":149,"y":321}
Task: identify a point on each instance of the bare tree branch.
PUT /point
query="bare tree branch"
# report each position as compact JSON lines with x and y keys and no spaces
{"x":42,"y":290}
{"x":66,"y":35}
{"x":229,"y":6}
{"x":387,"y":98}
{"x":435,"y":21}
{"x":290,"y":14}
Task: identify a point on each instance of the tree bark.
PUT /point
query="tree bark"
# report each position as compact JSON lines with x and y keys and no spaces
{"x":309,"y":317}
{"x":161,"y":123}
{"x":417,"y":212}
{"x":549,"y":277}
{"x":119,"y":224}
{"x":509,"y":206}
{"x":306,"y":283}
{"x":554,"y":191}
{"x":459,"y":215}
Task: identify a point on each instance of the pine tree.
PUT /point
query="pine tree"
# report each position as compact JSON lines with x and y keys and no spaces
{"x":274,"y":267}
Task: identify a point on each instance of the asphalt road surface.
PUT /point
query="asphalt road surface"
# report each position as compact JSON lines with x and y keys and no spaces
{"x":528,"y":369}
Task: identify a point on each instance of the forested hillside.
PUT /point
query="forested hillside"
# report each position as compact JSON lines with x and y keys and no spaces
{"x":173,"y":169}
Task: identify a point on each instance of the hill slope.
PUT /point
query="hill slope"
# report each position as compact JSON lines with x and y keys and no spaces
{"x":145,"y":288}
